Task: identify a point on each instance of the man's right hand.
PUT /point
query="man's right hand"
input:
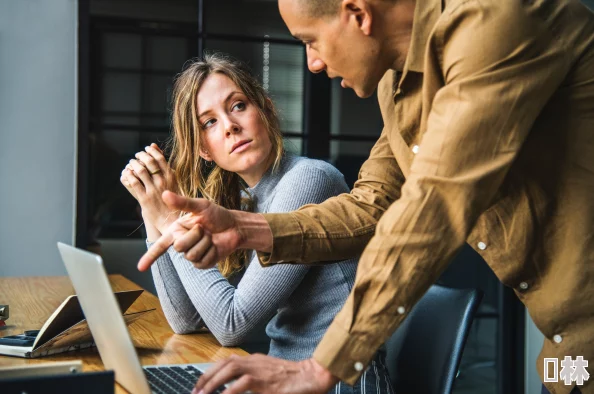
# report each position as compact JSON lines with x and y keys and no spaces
{"x":209,"y":233}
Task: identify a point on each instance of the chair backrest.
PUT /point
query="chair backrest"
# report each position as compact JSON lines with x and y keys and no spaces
{"x":424,"y":353}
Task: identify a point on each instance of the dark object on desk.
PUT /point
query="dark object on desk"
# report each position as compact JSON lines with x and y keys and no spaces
{"x":76,"y":383}
{"x":17,"y":340}
{"x":26,"y":339}
{"x":4,"y":312}
{"x":424,"y":353}
{"x":3,"y":315}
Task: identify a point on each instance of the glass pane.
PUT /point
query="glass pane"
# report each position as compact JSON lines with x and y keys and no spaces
{"x":159,"y":138}
{"x":159,"y":89}
{"x":348,"y":156}
{"x":121,"y":92}
{"x":109,"y":199}
{"x":352,"y":115}
{"x":359,"y":149}
{"x":125,"y":142}
{"x":122,"y":120}
{"x":156,"y":121}
{"x":122,"y":50}
{"x":294,"y":145}
{"x":167,"y":53}
{"x":279,"y":68}
{"x":138,"y":120}
{"x":244,"y":17}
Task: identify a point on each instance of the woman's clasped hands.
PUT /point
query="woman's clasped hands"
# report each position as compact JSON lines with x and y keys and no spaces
{"x":206,"y":234}
{"x":146,"y":177}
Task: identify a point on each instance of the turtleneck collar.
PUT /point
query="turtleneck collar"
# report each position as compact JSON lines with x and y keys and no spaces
{"x":264,"y":188}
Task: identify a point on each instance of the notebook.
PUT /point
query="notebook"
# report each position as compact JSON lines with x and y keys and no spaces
{"x":65,"y":330}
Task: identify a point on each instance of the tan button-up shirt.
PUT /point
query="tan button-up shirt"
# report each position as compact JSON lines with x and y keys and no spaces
{"x":488,"y":139}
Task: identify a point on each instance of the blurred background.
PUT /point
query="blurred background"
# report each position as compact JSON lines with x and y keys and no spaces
{"x":86,"y":84}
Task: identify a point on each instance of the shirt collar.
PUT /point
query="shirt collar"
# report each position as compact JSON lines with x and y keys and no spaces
{"x":426,"y":14}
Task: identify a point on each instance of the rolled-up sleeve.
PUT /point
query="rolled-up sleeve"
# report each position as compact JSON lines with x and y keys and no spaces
{"x":499,"y":67}
{"x":340,"y":227}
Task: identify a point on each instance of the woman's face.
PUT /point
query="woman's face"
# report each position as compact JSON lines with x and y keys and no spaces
{"x":234,"y":135}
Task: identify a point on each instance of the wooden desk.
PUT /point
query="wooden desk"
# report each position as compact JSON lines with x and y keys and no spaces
{"x":33,"y":299}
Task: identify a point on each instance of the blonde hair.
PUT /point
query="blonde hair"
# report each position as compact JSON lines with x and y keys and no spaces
{"x":194,"y":180}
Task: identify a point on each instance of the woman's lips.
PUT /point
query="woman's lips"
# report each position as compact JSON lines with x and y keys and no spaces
{"x":241,"y":147}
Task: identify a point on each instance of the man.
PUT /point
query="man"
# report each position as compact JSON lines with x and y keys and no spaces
{"x":488,"y":108}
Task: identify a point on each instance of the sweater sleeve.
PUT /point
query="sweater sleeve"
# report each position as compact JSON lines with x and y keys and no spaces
{"x":177,"y":306}
{"x":231,"y":313}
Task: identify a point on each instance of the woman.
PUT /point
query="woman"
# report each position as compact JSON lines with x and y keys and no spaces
{"x":225,"y":124}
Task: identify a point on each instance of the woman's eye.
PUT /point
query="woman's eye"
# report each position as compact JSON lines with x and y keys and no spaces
{"x":208,"y":123}
{"x":240,"y":106}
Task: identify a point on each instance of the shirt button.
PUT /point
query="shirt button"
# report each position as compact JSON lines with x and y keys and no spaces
{"x":558,"y":338}
{"x":415,"y":149}
{"x":358,"y":366}
{"x":523,"y":285}
{"x":401,"y":310}
{"x":482,"y":245}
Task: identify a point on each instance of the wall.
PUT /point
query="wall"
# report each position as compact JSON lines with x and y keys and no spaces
{"x":38,"y":48}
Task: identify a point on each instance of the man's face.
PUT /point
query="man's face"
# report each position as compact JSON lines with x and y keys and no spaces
{"x":338,"y":45}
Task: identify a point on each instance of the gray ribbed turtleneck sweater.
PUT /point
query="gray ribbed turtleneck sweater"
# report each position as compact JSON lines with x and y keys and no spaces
{"x":302,"y":300}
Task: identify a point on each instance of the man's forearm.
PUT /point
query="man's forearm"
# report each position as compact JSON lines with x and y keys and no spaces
{"x":254,"y":231}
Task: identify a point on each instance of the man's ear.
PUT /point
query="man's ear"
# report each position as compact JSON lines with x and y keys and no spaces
{"x":359,"y":12}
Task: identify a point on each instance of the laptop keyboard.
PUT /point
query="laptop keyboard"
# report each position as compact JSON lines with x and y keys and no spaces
{"x":173,"y":380}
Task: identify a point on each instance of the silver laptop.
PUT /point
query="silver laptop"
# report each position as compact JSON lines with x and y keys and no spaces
{"x":109,"y":331}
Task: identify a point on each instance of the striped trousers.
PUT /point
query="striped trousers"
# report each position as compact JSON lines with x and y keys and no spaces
{"x":375,"y":380}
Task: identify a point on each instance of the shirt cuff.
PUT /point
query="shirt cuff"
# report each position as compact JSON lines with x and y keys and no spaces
{"x":287,"y":239}
{"x":345,"y":355}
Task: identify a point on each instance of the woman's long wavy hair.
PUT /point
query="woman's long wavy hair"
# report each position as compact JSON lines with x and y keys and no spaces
{"x":195,"y":178}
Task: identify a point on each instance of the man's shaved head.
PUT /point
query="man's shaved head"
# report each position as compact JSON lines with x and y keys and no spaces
{"x":355,"y":40}
{"x":320,"y":8}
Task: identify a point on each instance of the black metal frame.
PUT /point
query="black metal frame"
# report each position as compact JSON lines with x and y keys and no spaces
{"x":82,"y":173}
{"x":316,"y":115}
{"x":145,"y":29}
{"x":316,"y":135}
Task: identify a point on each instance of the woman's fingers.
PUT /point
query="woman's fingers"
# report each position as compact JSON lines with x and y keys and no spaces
{"x":149,"y":162}
{"x":141,"y":172}
{"x":155,"y":146}
{"x":136,"y":187}
{"x":124,"y":178}
{"x":157,"y":155}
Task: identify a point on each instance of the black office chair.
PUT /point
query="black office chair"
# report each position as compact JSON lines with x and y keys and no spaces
{"x":424,"y":353}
